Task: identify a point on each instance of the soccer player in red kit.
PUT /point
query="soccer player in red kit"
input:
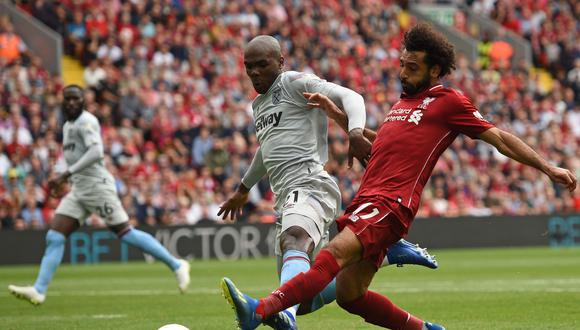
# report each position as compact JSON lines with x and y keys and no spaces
{"x":405,"y":149}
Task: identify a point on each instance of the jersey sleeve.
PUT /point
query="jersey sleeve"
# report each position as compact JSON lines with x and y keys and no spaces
{"x":90,"y":132}
{"x":463,"y":116}
{"x":348,"y":100}
{"x":256,"y":171}
{"x":301,"y":82}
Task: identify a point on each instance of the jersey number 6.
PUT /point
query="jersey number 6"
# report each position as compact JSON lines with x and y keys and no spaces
{"x":105,"y":210}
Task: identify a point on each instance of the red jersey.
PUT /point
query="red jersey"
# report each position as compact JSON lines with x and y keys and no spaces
{"x":412,"y":137}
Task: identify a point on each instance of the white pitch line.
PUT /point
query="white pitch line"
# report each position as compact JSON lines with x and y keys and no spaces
{"x":486,"y":289}
{"x":71,"y":317}
{"x":108,"y":316}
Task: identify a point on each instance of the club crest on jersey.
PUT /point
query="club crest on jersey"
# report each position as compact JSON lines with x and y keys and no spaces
{"x":353,"y":217}
{"x":277,"y":95}
{"x":416,"y":116}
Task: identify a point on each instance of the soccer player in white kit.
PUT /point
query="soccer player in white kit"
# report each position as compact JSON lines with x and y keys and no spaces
{"x":93,"y":191}
{"x":293,"y":150}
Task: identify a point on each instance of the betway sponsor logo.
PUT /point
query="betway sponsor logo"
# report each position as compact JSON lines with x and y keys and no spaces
{"x":266,"y":120}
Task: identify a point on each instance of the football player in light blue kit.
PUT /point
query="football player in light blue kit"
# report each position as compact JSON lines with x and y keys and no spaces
{"x":293,"y":151}
{"x":93,"y":191}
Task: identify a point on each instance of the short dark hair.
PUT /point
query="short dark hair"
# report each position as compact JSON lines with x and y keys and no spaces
{"x":74,"y":86}
{"x":438,"y":50}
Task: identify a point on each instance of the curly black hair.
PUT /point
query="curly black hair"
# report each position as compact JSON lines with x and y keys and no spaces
{"x":438,"y":50}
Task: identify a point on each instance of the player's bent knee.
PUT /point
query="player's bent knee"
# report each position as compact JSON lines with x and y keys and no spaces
{"x":296,"y":238}
{"x":64,"y":224}
{"x":342,"y":256}
{"x":120,"y":229}
{"x":344,"y":252}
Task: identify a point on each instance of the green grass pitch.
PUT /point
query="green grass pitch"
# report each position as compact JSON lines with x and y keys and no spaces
{"x":523,"y":288}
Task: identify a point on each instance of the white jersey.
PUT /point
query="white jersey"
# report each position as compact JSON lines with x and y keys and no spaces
{"x":293,"y":138}
{"x":79,"y":135}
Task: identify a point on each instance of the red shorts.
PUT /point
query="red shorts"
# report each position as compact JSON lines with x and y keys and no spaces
{"x":378,"y":223}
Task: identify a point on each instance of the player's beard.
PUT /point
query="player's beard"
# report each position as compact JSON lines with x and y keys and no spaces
{"x":422,"y":85}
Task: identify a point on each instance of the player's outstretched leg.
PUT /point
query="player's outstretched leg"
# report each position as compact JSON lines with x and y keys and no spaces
{"x":372,"y":307}
{"x":294,"y":262}
{"x":50,"y":261}
{"x":148,"y":244}
{"x":400,"y":253}
{"x":379,"y":310}
{"x":243,"y":305}
{"x":406,"y":253}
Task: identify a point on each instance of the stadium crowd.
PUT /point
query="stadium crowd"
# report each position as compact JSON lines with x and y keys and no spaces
{"x":167,"y":81}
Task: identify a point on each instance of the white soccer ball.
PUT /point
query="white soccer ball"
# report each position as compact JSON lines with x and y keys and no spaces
{"x":173,"y":326}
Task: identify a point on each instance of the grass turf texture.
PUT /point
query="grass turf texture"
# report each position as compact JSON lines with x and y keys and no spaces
{"x":523,"y":288}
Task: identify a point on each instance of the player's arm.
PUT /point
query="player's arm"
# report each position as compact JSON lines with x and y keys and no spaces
{"x":514,"y":148}
{"x":93,"y":154}
{"x":351,"y":102}
{"x":90,"y":133}
{"x":234,"y":205}
{"x":353,"y":105}
{"x":317,"y":100}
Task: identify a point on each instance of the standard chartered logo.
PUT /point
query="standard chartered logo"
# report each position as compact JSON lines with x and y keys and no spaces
{"x":416,"y":117}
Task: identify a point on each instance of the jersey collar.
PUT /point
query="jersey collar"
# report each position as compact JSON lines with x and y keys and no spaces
{"x":274,"y":83}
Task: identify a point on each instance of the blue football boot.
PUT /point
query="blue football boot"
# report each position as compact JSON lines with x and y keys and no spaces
{"x":433,"y":326}
{"x":283,"y":320}
{"x":243,"y":305}
{"x":405,"y":253}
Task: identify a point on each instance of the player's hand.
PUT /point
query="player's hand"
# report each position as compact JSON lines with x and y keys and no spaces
{"x":359,"y":147}
{"x":317,"y":100}
{"x":233,"y":206}
{"x":56,"y":185}
{"x":563,"y":177}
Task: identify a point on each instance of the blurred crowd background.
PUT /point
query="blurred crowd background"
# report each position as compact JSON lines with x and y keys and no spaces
{"x":167,"y":81}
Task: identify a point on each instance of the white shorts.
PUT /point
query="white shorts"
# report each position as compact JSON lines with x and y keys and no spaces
{"x":98,"y":197}
{"x":304,"y":210}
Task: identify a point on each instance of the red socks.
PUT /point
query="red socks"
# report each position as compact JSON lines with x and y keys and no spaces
{"x":379,"y":310}
{"x":302,"y":287}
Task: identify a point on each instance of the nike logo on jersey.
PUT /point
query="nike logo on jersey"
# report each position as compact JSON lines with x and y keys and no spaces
{"x":478,"y":115}
{"x":426,"y":102}
{"x":266,"y":120}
